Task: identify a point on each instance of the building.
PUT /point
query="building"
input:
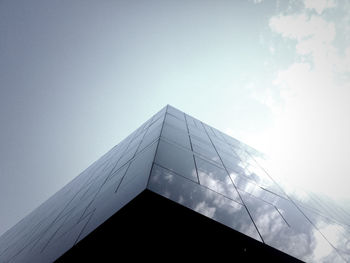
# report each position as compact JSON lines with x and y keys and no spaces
{"x":180,"y":188}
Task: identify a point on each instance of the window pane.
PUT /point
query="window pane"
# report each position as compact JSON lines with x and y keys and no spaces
{"x":176,"y":135}
{"x":176,"y":159}
{"x":216,"y":179}
{"x":332,"y":231}
{"x":284,"y":227}
{"x":152,"y":134}
{"x":206,"y":150}
{"x":178,"y":114}
{"x":250,"y":187}
{"x":171,"y":120}
{"x":195,"y":123}
{"x":202,"y":200}
{"x":195,"y":133}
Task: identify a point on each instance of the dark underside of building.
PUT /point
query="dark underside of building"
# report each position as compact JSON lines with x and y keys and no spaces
{"x":154,"y":227}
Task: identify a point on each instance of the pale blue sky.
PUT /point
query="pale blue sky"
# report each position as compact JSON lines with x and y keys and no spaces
{"x":76,"y":77}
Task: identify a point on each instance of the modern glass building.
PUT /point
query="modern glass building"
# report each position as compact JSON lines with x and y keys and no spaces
{"x":180,"y":188}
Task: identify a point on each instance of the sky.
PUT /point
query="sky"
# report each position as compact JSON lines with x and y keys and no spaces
{"x":76,"y":77}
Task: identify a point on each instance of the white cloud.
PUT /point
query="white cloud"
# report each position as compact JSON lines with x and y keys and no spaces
{"x":319,"y":5}
{"x":310,"y":140}
{"x":301,"y":27}
{"x":315,"y":37}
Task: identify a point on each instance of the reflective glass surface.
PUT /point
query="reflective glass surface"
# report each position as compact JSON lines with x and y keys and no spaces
{"x":176,"y":135}
{"x":205,"y":150}
{"x":175,"y":122}
{"x":194,"y":123}
{"x":152,"y":134}
{"x":202,"y":200}
{"x":284,"y":227}
{"x":216,"y":179}
{"x":336,"y":233}
{"x":175,"y":112}
{"x":176,"y":159}
{"x":127,"y":184}
{"x":198,"y":134}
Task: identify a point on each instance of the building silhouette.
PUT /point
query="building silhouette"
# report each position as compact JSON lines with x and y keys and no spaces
{"x":178,"y":188}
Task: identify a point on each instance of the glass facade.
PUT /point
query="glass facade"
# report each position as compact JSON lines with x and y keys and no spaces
{"x":185,"y":160}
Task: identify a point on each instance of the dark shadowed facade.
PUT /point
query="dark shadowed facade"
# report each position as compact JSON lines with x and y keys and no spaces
{"x":179,"y":187}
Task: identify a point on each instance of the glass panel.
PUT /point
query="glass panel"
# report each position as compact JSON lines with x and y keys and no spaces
{"x":93,"y":188}
{"x":176,"y":135}
{"x":199,"y":134}
{"x":133,"y":183}
{"x":178,"y":114}
{"x":176,"y":159}
{"x":195,"y":123}
{"x":253,"y":173}
{"x":286,"y":229}
{"x":152,"y":134}
{"x":202,"y":200}
{"x":107,"y":191}
{"x":261,"y":211}
{"x":202,"y":144}
{"x":190,"y":121}
{"x":261,"y":177}
{"x":322,"y":250}
{"x":216,"y":179}
{"x":127,"y":156}
{"x":258,"y":175}
{"x":224,"y":148}
{"x":137,"y":140}
{"x":218,"y":134}
{"x":205,"y":149}
{"x":59,"y":244}
{"x":327,"y":207}
{"x":334,"y":232}
{"x":230,"y":156}
{"x":232,"y":141}
{"x":234,"y":165}
{"x":217,"y":164}
{"x":142,"y":128}
{"x":244,"y":156}
{"x":218,"y":139}
{"x":209,"y":131}
{"x":253,"y":189}
{"x":115,"y":178}
{"x":159,"y":114}
{"x":157,"y":122}
{"x":139,"y":169}
{"x":211,"y":155}
{"x":171,"y":120}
